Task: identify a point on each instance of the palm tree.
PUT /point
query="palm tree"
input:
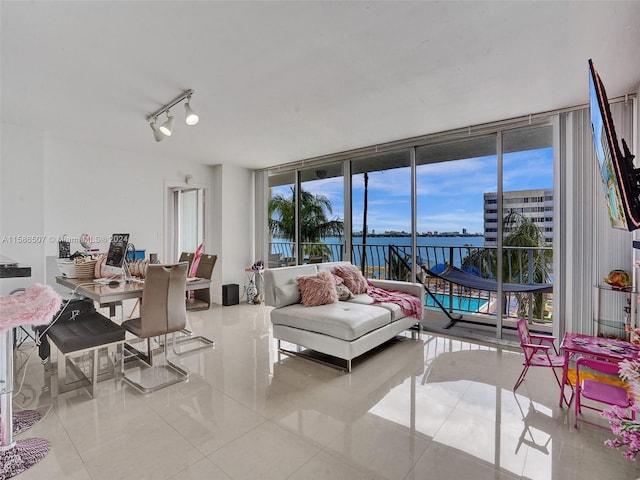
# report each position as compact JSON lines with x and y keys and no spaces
{"x":363,"y":261}
{"x":521,"y":264}
{"x":314,"y":221}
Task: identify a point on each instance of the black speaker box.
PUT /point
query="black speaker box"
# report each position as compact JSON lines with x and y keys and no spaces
{"x":230,"y":294}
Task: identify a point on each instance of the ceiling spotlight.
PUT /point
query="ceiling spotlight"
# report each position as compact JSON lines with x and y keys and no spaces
{"x":157,"y":134}
{"x":190,"y":116}
{"x":167,"y":126}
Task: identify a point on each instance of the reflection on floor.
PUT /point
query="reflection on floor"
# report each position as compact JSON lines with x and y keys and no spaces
{"x":436,"y":408}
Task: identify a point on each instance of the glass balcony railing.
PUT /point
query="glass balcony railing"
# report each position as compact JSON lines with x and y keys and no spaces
{"x":389,"y":261}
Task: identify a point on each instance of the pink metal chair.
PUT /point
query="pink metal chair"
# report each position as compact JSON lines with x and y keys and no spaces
{"x":536,"y":352}
{"x":598,"y":391}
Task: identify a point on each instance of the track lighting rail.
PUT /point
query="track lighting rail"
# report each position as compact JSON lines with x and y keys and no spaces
{"x":171,"y":104}
{"x":166,"y":129}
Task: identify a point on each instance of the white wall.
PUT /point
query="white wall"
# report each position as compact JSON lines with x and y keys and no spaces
{"x":21,"y":200}
{"x":52,"y":188}
{"x":99,"y":191}
{"x":236,"y":237}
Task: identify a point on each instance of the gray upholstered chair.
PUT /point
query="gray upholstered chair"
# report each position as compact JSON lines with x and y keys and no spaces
{"x":187,"y":257}
{"x":201,"y":298}
{"x":162,"y":311}
{"x":197,"y":300}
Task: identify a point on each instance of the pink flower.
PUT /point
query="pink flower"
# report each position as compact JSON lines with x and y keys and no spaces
{"x":627,"y":431}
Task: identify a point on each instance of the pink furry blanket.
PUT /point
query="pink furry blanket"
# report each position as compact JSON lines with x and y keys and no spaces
{"x":35,"y":306}
{"x":410,"y":304}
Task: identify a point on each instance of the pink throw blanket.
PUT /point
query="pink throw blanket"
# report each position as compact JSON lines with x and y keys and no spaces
{"x":410,"y":305}
{"x":35,"y":306}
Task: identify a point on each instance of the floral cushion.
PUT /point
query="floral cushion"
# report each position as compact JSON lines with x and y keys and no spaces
{"x":353,"y":279}
{"x":319,"y":289}
{"x":343,"y":292}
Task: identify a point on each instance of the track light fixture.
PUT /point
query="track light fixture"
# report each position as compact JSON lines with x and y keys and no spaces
{"x":157,"y":134}
{"x":190,"y":116}
{"x":166,"y":129}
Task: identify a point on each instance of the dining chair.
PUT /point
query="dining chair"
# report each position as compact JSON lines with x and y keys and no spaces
{"x":186,"y":257}
{"x":201,"y":299}
{"x":597,"y":391}
{"x":197,"y":300}
{"x":536,"y":350}
{"x":162,"y":311}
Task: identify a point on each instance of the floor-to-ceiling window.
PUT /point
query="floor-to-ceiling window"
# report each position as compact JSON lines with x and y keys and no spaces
{"x":321,"y":214}
{"x":381,"y":214}
{"x":282,"y":219}
{"x":474,"y":196}
{"x":452,"y":180}
{"x":527,"y":219}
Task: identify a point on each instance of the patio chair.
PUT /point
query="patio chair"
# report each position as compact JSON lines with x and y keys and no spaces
{"x":595,"y":390}
{"x":536,"y":353}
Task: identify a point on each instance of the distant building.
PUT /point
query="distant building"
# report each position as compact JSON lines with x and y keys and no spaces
{"x":534,"y":204}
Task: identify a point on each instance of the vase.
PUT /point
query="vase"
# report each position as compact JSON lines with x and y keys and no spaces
{"x":252,"y":291}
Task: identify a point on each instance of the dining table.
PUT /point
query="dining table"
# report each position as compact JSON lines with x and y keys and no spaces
{"x":608,"y":349}
{"x":110,"y":295}
{"x":122,"y":290}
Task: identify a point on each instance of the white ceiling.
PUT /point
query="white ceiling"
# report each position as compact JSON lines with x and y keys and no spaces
{"x":282,"y":81}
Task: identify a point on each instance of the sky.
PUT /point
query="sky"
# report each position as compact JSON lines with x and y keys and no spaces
{"x":450,"y":194}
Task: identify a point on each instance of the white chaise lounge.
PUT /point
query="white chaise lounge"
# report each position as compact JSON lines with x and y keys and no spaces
{"x":345,"y":329}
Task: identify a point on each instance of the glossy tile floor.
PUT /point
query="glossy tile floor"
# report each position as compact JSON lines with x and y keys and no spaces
{"x":433,"y":408}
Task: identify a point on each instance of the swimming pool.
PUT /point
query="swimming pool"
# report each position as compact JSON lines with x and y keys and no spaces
{"x":460,"y":304}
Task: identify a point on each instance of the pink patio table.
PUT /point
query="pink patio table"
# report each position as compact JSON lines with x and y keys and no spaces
{"x":611,"y":350}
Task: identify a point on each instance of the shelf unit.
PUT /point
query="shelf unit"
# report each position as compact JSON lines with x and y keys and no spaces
{"x":621,"y":325}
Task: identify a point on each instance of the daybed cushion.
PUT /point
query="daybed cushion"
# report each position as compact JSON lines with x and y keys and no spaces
{"x":287,"y":294}
{"x":281,"y":288}
{"x":394,"y":310}
{"x":343,"y":320}
{"x":319,"y":289}
{"x":352,"y":277}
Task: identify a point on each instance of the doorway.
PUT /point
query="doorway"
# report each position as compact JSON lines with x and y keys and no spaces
{"x":186,"y":220}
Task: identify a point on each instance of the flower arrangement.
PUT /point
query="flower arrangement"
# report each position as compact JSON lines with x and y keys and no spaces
{"x":630,"y":371}
{"x":634,"y":334}
{"x":627,"y":431}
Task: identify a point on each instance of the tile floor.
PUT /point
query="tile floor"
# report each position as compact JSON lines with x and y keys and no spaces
{"x":433,"y":408}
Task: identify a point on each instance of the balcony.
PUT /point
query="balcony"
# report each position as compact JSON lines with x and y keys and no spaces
{"x":392,"y":261}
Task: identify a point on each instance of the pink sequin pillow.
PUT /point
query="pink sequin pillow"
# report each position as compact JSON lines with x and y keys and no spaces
{"x":317,"y":289}
{"x":352,"y":277}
